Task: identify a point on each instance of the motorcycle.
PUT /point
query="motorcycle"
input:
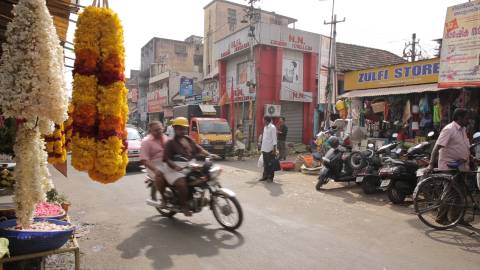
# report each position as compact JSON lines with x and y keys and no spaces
{"x":368,"y":163}
{"x":400,"y":177}
{"x":205,"y":190}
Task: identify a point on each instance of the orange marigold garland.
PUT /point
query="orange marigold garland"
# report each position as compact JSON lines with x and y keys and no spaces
{"x":55,"y":144}
{"x":68,"y":124}
{"x":100,"y":111}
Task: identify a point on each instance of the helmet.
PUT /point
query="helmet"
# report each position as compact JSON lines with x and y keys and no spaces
{"x":476,"y":136}
{"x":180,"y":121}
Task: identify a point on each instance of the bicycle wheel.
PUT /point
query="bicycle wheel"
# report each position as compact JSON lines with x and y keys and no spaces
{"x":439,"y":203}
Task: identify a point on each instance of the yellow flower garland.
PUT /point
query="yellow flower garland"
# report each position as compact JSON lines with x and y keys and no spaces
{"x":100,"y":111}
{"x":55,"y":144}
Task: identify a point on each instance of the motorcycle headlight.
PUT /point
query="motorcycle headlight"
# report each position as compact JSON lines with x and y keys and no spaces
{"x":205,"y":141}
{"x":215,"y":172}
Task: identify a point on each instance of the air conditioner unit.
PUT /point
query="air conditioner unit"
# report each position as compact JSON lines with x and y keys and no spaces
{"x":272,"y":110}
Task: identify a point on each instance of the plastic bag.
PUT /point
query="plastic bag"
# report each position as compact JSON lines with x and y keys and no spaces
{"x":260,"y":161}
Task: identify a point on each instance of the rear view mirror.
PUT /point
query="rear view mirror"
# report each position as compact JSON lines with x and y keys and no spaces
{"x":431,"y":134}
{"x":395,"y":135}
{"x":476,"y":136}
{"x":370,"y":145}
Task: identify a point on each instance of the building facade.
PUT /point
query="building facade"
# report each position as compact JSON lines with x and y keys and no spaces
{"x":170,"y":70}
{"x":133,"y":93}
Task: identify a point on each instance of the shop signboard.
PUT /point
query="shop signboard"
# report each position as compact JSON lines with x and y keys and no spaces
{"x":419,"y":72}
{"x":267,"y":34}
{"x":193,"y":100}
{"x":460,"y":55}
{"x":186,"y":87}
{"x":156,"y":99}
{"x":133,"y":95}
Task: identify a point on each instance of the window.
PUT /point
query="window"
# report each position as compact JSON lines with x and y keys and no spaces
{"x":232,"y":19}
{"x":180,"y":49}
{"x":216,"y":127}
{"x":133,"y":135}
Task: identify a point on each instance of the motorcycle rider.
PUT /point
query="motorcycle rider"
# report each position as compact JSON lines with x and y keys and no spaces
{"x":183,"y":146}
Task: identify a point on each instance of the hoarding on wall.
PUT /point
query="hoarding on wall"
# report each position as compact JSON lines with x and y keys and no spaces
{"x":238,"y":74}
{"x":186,"y":87}
{"x":267,"y":34}
{"x":292,"y":78}
{"x":419,"y":72}
{"x":193,"y":100}
{"x":133,"y":95}
{"x":156,"y":99}
{"x":460,"y":55}
{"x":210,"y":92}
{"x":323,"y":69}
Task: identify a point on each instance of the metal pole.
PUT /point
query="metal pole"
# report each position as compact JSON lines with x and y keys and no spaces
{"x":414,"y":41}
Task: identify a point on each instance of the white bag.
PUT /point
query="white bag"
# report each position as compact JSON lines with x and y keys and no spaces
{"x":260,"y":161}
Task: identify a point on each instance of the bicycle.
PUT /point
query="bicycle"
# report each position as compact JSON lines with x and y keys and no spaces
{"x":440,"y":200}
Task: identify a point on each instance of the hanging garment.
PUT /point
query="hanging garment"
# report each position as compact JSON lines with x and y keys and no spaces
{"x":437,"y":114}
{"x":407,"y":113}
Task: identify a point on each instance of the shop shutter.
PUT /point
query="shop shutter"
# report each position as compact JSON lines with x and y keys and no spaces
{"x":293,"y":112}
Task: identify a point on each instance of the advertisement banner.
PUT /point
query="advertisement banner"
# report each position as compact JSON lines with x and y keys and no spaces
{"x":460,"y":55}
{"x":292,"y":78}
{"x":323,"y":69}
{"x":186,"y":87}
{"x":156,"y":99}
{"x":419,"y":72}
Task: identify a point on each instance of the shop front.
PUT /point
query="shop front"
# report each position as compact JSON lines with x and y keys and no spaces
{"x":403,"y":99}
{"x":283,"y":74}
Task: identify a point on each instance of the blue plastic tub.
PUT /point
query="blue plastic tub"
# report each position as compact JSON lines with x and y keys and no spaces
{"x":25,"y":242}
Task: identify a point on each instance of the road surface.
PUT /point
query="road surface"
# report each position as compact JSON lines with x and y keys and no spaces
{"x":288,"y":225}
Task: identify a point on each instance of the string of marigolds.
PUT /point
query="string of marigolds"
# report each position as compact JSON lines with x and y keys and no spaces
{"x":100,"y":108}
{"x":56,"y":148}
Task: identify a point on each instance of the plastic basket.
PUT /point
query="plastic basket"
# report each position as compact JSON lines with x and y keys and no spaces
{"x":287,"y":165}
{"x":25,"y":242}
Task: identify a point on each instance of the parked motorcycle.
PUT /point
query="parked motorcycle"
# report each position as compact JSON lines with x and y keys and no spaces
{"x":400,"y":177}
{"x":367,"y":163}
{"x":204,"y":191}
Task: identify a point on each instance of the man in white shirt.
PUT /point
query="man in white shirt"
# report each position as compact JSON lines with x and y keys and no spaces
{"x":269,"y":149}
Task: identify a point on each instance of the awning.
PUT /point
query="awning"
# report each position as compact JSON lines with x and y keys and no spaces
{"x":398,"y":90}
{"x":208,"y":109}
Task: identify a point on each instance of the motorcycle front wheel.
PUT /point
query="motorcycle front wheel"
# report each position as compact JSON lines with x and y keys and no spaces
{"x":227,"y":211}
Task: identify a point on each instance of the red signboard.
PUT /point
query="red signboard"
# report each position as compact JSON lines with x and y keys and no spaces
{"x":156,"y":101}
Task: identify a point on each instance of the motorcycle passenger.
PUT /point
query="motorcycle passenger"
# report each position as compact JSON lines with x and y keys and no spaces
{"x":183,"y":146}
{"x":151,"y":155}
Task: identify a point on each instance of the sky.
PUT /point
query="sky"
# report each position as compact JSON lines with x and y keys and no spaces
{"x":383,"y":24}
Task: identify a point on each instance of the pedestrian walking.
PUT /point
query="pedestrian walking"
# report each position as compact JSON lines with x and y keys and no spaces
{"x":282,"y":138}
{"x":269,"y":149}
{"x":239,"y":142}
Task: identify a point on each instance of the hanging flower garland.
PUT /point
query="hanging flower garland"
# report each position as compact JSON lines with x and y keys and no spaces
{"x":32,"y":89}
{"x":99,"y":97}
{"x":68,"y":124}
{"x":57,"y":152}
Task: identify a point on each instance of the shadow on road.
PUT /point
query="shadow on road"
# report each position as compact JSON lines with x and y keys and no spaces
{"x":160,"y":238}
{"x":275,"y":188}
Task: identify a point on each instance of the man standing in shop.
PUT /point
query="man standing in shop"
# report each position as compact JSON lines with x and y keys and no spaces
{"x":269,"y":149}
{"x":282,"y":138}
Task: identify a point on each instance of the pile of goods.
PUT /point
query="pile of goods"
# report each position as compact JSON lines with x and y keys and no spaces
{"x":43,"y":226}
{"x":6,"y":179}
{"x":99,"y":137}
{"x":48,"y":210}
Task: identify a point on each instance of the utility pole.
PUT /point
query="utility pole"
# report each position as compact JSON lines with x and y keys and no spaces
{"x":251,"y":15}
{"x":331,"y":93}
{"x":410,"y":51}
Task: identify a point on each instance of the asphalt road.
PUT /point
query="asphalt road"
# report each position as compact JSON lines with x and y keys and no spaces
{"x":288,"y":225}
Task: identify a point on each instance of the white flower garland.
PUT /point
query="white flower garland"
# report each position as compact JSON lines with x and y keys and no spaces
{"x":32,"y":80}
{"x":28,"y":156}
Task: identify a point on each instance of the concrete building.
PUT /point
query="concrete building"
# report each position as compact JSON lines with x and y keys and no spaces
{"x":170,"y":70}
{"x":223,"y":18}
{"x":132,"y":86}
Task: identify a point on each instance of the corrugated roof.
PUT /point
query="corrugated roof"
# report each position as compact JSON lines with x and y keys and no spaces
{"x":354,"y":57}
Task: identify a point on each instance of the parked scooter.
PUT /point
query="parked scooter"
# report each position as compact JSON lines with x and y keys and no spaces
{"x":400,"y":177}
{"x":204,"y":191}
{"x":335,"y":165}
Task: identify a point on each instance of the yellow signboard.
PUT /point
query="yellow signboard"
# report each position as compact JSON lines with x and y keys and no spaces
{"x":419,"y":72}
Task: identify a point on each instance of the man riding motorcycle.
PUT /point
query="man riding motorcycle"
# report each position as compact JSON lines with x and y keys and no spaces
{"x":180,"y":146}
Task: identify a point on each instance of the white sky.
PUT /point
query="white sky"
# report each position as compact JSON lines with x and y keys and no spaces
{"x":384,"y":24}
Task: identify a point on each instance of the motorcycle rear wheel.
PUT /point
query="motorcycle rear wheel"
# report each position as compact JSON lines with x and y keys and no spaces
{"x":221,"y":212}
{"x":396,"y":196}
{"x":156,"y":194}
{"x":370,"y":185}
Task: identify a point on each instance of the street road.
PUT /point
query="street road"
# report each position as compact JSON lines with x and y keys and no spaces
{"x":288,"y":225}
